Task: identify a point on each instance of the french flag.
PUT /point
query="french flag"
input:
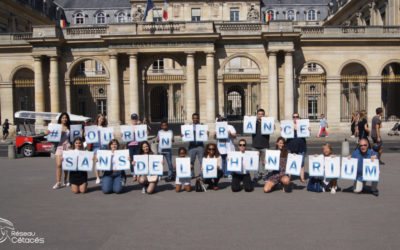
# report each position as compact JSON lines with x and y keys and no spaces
{"x":165,"y":12}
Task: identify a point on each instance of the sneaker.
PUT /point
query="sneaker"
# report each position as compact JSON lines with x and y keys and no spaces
{"x":67,"y":184}
{"x":168,"y":179}
{"x":98,"y":181}
{"x":57,"y":185}
{"x":381,"y":162}
{"x":143,"y":190}
{"x":352,"y":136}
{"x":333,"y":191}
{"x":375,"y":193}
{"x":216,"y":187}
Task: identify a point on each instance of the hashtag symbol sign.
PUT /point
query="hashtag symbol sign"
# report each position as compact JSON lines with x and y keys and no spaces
{"x":53,"y":133}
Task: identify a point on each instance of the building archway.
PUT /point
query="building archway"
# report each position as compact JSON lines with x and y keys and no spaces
{"x":391,"y":91}
{"x":24,"y":90}
{"x":353,"y":90}
{"x":158,"y":104}
{"x":235,"y":103}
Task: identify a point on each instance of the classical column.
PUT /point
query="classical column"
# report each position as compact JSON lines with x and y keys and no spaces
{"x":7,"y":101}
{"x":171,"y":115}
{"x":210,"y":93}
{"x":221,"y":97}
{"x":374,"y":95}
{"x":248,"y":106}
{"x":273,"y":85}
{"x":333,"y":100}
{"x":289,"y":97}
{"x":190,"y":88}
{"x":114,"y":110}
{"x":68,"y":96}
{"x":133,"y":83}
{"x":54,"y":85}
{"x":39,"y":85}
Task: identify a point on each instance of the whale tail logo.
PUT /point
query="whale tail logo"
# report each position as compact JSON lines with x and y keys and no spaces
{"x":5,"y":227}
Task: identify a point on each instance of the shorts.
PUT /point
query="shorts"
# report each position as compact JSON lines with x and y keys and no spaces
{"x":185,"y":181}
{"x":60,"y":149}
{"x":375,"y":145}
{"x":78,"y":177}
{"x":151,"y":178}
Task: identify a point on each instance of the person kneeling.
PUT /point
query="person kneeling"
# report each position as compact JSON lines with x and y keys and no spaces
{"x":279,"y":176}
{"x":112,"y":180}
{"x":242,"y":176}
{"x":179,"y":181}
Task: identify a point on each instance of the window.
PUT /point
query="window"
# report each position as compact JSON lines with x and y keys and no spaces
{"x":101,"y":18}
{"x":99,"y":68}
{"x":79,"y":18}
{"x":270,"y":15}
{"x":158,"y":66}
{"x":290,"y":15}
{"x":121,"y":17}
{"x":195,"y":14}
{"x":311,"y":15}
{"x":312,"y":67}
{"x":234,"y":14}
{"x":157,"y":15}
{"x":102,"y":106}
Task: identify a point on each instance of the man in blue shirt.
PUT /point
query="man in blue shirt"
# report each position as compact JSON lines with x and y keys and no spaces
{"x":361,"y":153}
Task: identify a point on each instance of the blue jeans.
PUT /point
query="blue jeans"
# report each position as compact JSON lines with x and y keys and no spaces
{"x":199,"y":150}
{"x":225,"y":165}
{"x":167,"y":156}
{"x":133,"y":150}
{"x":112,"y":182}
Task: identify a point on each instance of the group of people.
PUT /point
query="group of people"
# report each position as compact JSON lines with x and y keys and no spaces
{"x":114,"y":181}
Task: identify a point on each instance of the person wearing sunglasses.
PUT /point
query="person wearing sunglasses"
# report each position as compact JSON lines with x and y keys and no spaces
{"x":211,"y":151}
{"x":363,"y":152}
{"x":298,"y":146}
{"x":241,"y":176}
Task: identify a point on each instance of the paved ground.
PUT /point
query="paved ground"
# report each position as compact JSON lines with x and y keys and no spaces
{"x":213,"y":220}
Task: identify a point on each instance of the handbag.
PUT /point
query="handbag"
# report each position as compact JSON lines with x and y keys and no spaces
{"x":199,"y":186}
{"x":315,"y":185}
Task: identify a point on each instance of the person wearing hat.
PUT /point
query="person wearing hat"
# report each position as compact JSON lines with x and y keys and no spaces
{"x":226,"y":145}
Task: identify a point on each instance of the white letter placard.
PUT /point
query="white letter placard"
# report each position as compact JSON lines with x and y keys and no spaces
{"x":221,"y":130}
{"x":370,"y":170}
{"x":287,"y":129}
{"x":141,"y":164}
{"x":141,"y":133}
{"x":91,"y":134}
{"x":293,"y":165}
{"x":251,"y":160}
{"x":209,"y":168}
{"x":70,"y":160}
{"x":187,"y":132}
{"x":349,"y":168}
{"x":234,"y":161}
{"x":128,"y":133}
{"x":316,"y":165}
{"x":267,"y":125}
{"x":55,"y":132}
{"x":249,"y":124}
{"x":103,"y":160}
{"x":106,"y":135}
{"x":272,"y":159}
{"x":303,"y":128}
{"x":332,"y":167}
{"x":201,"y":133}
{"x":183,"y":167}
{"x":121,"y":160}
{"x":75,"y":131}
{"x":155,"y":165}
{"x":165,"y":139}
{"x":85,"y":161}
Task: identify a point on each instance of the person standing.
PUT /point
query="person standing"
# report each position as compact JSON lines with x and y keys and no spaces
{"x":260,"y":144}
{"x":6,"y":127}
{"x":376,"y":134}
{"x":354,"y":124}
{"x":226,"y":145}
{"x":167,"y":151}
{"x":323,"y":125}
{"x":363,"y":131}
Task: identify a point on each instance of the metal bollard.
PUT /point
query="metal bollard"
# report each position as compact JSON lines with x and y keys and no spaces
{"x":345,"y":148}
{"x":11,"y":152}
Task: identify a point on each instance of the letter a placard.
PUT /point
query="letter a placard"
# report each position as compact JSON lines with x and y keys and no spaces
{"x":293,"y":165}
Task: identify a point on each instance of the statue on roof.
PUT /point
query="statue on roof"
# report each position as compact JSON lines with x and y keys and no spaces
{"x":138,"y":15}
{"x":253,"y":14}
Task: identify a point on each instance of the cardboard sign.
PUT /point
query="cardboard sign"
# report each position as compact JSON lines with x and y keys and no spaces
{"x":55,"y":132}
{"x":332,"y":167}
{"x":316,"y":165}
{"x":234,"y":161}
{"x":165,"y":139}
{"x":70,"y":160}
{"x":75,"y":131}
{"x":103,"y":160}
{"x":370,"y":170}
{"x":349,"y":168}
{"x":183,"y":167}
{"x":91,"y":134}
{"x":293,"y":165}
{"x":106,"y":135}
{"x":209,"y":168}
{"x":85,"y":161}
{"x":121,"y":160}
{"x":251,"y":160}
{"x":221,"y":130}
{"x":141,"y":166}
{"x":187,"y":132}
{"x":287,"y":129}
{"x":267,"y":125}
{"x":141,"y":133}
{"x":201,"y":133}
{"x":303,"y":128}
{"x":272,"y":159}
{"x":155,"y":165}
{"x":128,"y":133}
{"x":249,"y":124}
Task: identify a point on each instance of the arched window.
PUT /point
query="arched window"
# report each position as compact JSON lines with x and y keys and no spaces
{"x":79,"y":18}
{"x":270,"y":15}
{"x":121,"y":17}
{"x":101,"y":18}
{"x":311,"y":15}
{"x":290,"y":15}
